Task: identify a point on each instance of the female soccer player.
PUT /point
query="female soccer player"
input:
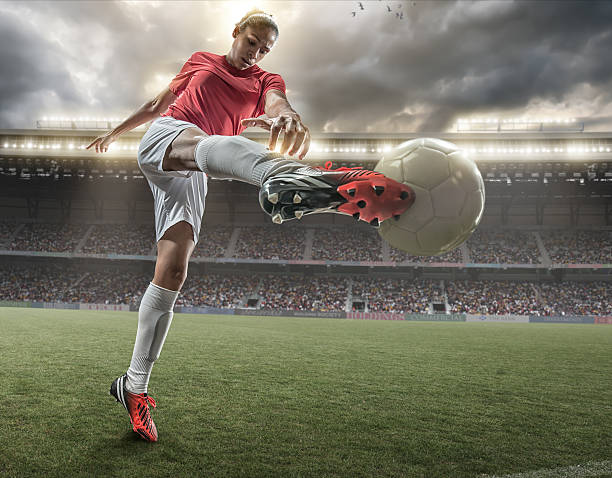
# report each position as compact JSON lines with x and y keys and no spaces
{"x":203,"y":110}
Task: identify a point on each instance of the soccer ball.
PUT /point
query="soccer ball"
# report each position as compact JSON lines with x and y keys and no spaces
{"x":449,"y":198}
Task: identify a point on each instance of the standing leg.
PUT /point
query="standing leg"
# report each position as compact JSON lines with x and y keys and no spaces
{"x":155,"y":313}
{"x":154,"y":319}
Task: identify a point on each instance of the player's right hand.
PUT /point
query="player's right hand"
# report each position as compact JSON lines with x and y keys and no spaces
{"x":102,"y":142}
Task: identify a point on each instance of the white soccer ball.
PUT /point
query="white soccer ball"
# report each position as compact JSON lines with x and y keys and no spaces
{"x":449,"y":198}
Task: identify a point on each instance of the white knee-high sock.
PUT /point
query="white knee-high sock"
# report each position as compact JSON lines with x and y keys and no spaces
{"x":154,"y":319}
{"x":236,"y":157}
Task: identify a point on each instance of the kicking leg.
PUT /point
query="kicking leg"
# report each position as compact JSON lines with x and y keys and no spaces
{"x":289,"y":189}
{"x":226,"y":157}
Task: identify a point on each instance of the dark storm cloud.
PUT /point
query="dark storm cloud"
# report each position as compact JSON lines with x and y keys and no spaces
{"x":461,"y":58}
{"x":370,"y":72}
{"x":29,"y":74}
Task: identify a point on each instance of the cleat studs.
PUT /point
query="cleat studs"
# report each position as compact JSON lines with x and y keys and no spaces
{"x":374,"y":222}
{"x":379,"y":190}
{"x":273,"y":198}
{"x":299,"y":214}
{"x":297,"y":198}
{"x":351,"y":192}
{"x":277,"y":219}
{"x":396,"y":217}
{"x":404,"y":195}
{"x":361,"y":204}
{"x":356,"y":216}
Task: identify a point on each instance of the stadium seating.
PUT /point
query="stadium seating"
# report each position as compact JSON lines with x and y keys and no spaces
{"x":298,"y":292}
{"x":217,"y":290}
{"x":578,"y":247}
{"x":396,"y":295}
{"x":575,"y":298}
{"x":129,"y":239}
{"x":400,"y":256}
{"x":48,"y":237}
{"x":270,"y":242}
{"x":56,"y":283}
{"x":492,"y":297}
{"x":213,"y":240}
{"x":347,"y":244}
{"x":503,"y":247}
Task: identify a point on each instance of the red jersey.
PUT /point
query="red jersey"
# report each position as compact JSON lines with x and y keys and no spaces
{"x":215,"y":96}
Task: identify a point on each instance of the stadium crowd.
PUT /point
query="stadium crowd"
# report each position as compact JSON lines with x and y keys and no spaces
{"x":6,"y":230}
{"x":271,"y":242}
{"x":57,"y":283}
{"x":213,"y":240}
{"x":288,"y":242}
{"x":575,"y":298}
{"x":503,"y":247}
{"x":492,"y":297}
{"x":36,"y":283}
{"x":396,"y":295}
{"x":400,"y":256}
{"x":50,"y":237}
{"x":217,"y":290}
{"x":108,"y":287}
{"x":130,"y":239}
{"x":297,"y":292}
{"x":347,"y":244}
{"x":578,"y":247}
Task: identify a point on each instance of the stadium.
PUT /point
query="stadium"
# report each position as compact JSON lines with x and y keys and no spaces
{"x":543,"y":249}
{"x":310,"y":347}
{"x":77,"y":234}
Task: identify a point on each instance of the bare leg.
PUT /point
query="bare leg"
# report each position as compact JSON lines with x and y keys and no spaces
{"x":173,"y":252}
{"x":180,"y":156}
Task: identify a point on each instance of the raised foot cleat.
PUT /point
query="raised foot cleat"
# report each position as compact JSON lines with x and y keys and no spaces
{"x":137,"y":406}
{"x":366,"y":195}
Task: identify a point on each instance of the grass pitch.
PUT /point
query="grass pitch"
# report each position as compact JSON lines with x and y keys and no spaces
{"x":286,"y":397}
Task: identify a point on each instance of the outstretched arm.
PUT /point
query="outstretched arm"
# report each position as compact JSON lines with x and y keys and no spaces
{"x":151,"y":109}
{"x":280,"y":116}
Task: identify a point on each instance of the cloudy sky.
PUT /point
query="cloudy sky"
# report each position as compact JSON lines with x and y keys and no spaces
{"x":393,"y":66}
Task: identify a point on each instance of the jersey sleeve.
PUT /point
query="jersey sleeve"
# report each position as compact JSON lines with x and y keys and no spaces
{"x":180,"y":81}
{"x":272,"y":81}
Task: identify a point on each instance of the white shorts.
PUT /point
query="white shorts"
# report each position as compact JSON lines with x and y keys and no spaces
{"x":178,"y":195}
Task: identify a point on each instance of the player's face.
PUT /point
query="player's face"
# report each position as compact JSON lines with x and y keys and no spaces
{"x":250,"y":46}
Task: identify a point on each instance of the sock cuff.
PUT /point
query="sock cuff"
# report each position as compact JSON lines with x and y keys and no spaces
{"x":202,"y":150}
{"x":159,"y":298}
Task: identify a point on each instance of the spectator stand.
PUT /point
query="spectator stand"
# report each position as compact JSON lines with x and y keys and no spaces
{"x":503,"y":246}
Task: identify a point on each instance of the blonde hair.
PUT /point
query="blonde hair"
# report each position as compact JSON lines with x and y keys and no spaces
{"x":257,"y":18}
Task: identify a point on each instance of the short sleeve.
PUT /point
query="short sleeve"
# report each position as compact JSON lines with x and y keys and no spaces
{"x":271,"y":81}
{"x":180,"y":81}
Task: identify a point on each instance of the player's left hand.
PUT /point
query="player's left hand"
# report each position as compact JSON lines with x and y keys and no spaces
{"x":297,"y":135}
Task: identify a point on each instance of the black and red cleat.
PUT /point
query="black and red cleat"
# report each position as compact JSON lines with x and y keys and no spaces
{"x":366,"y":195}
{"x":137,"y":405}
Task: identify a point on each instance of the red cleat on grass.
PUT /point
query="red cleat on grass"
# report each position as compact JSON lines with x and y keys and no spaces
{"x":366,"y":195}
{"x":137,"y":406}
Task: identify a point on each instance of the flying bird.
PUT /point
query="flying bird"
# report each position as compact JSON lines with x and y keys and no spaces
{"x":354,"y":13}
{"x":361,"y":5}
{"x":388,"y":8}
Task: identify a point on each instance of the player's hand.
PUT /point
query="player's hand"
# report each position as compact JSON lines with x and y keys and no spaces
{"x":297,"y":135}
{"x":102,"y":142}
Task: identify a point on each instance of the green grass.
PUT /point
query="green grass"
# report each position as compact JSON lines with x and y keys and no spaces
{"x":286,"y":397}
